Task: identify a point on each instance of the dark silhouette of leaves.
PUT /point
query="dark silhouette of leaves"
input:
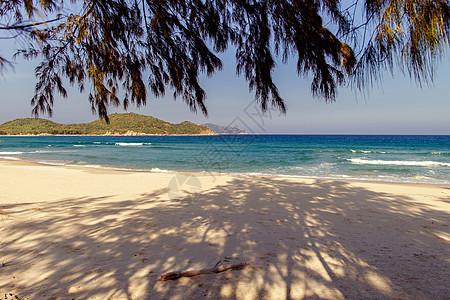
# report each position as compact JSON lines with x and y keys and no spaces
{"x":122,"y":47}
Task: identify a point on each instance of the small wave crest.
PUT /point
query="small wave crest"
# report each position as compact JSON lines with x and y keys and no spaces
{"x":11,"y":152}
{"x":398,"y":162}
{"x":367,"y":151}
{"x":361,"y":151}
{"x":9,"y":158}
{"x":132,"y":144}
{"x":440,"y":153}
{"x":108,"y":143}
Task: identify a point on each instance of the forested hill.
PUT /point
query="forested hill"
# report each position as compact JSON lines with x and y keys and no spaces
{"x":120,"y":124}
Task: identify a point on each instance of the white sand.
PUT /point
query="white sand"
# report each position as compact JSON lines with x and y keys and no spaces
{"x":97,"y":234}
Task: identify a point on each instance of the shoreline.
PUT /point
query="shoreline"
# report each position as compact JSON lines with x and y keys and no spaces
{"x":80,"y":232}
{"x":214,"y":174}
{"x":111,"y":135}
{"x":362,"y":160}
{"x":214,"y":134}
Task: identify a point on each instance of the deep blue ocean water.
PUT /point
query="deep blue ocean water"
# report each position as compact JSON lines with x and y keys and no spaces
{"x":412,"y":159}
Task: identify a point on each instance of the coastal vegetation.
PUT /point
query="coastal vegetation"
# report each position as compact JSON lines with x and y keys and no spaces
{"x":124,"y":124}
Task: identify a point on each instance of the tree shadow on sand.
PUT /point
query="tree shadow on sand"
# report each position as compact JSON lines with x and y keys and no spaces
{"x":319,"y":241}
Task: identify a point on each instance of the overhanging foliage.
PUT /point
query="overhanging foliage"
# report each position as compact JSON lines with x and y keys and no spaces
{"x":112,"y":44}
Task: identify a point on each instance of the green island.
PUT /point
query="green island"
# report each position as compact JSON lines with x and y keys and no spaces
{"x":119,"y":124}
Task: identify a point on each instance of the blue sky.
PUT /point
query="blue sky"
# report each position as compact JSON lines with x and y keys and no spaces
{"x":397,"y":107}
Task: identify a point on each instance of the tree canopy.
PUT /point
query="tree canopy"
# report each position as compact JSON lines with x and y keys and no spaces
{"x":126,"y":48}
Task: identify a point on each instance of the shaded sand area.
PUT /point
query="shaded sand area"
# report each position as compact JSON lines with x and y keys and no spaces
{"x":83,"y":233}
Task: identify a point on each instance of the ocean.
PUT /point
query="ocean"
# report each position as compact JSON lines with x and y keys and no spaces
{"x":385,"y":158}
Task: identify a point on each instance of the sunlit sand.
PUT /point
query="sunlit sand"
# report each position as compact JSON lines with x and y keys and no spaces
{"x":89,"y":233}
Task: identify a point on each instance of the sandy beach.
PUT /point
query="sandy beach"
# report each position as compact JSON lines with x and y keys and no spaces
{"x":87,"y":233}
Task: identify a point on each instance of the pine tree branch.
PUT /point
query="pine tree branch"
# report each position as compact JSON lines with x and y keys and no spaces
{"x":22,"y":27}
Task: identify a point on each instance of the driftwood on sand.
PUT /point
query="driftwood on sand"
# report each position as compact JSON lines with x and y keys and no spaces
{"x":215,"y":269}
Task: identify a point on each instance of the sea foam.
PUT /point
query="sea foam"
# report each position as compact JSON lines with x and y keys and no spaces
{"x":132,"y":144}
{"x":398,"y":162}
{"x":9,"y":158}
{"x":10,"y":153}
{"x":158,"y":170}
{"x":367,"y":151}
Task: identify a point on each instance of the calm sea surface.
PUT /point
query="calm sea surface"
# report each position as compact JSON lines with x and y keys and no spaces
{"x":415,"y":159}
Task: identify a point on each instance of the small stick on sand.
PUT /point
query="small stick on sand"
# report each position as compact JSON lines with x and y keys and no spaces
{"x":215,"y":269}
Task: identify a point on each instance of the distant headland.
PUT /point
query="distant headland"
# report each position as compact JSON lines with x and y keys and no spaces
{"x":127,"y":124}
{"x":224,"y":129}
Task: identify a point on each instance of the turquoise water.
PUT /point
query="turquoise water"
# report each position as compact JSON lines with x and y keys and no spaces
{"x":421,"y":159}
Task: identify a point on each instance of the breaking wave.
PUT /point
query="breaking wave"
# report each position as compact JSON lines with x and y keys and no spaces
{"x":398,"y":162}
{"x":132,"y":144}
